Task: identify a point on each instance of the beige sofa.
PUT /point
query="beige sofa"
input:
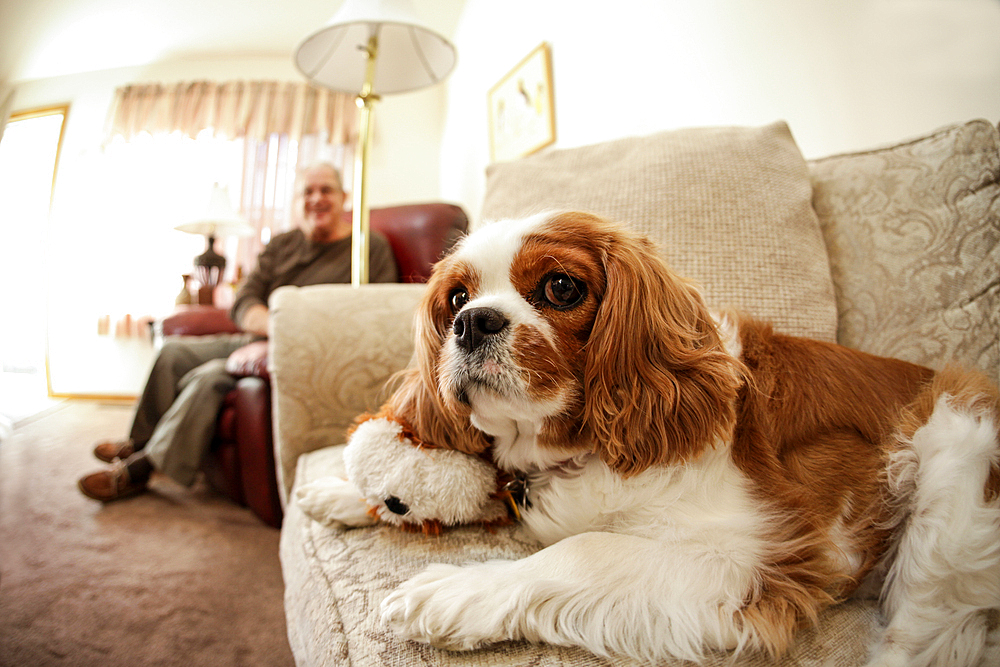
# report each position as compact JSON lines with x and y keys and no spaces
{"x":895,"y":251}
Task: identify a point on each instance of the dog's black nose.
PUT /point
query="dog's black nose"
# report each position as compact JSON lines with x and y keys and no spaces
{"x":474,"y":325}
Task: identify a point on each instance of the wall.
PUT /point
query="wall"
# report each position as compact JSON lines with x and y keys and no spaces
{"x":845,"y":74}
{"x":404,"y":168}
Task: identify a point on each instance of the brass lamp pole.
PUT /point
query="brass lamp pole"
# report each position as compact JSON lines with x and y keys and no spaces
{"x":409,"y":55}
{"x":360,"y":234}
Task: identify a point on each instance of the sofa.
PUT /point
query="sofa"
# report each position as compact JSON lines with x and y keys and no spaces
{"x":240,"y":463}
{"x":894,"y":250}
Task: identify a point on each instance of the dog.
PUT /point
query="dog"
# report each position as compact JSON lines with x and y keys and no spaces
{"x":698,"y":481}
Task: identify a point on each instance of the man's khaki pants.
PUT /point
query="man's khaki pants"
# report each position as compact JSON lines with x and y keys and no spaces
{"x":176,"y":414}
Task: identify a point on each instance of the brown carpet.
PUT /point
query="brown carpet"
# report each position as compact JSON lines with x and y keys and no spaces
{"x":173,"y":577}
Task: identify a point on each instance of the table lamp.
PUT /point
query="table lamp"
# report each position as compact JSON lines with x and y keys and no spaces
{"x":219,"y":220}
{"x":372,"y":48}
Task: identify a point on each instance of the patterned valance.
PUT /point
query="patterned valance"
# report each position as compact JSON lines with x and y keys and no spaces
{"x":235,"y":109}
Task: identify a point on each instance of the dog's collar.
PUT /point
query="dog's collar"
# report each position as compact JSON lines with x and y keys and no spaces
{"x":516,"y":488}
{"x":515,"y":493}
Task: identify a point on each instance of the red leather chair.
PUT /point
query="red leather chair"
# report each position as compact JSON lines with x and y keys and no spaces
{"x":241,"y":461}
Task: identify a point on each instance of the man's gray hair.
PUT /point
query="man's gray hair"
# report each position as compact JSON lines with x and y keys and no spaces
{"x":329,"y":166}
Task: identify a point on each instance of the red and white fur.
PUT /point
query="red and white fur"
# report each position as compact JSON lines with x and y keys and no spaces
{"x":699,"y":481}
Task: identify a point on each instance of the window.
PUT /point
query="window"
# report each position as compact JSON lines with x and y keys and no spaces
{"x":95,"y":266}
{"x":29,"y":152}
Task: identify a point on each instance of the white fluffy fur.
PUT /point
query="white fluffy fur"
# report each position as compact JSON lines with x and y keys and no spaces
{"x":946,"y":566}
{"x":434,"y":484}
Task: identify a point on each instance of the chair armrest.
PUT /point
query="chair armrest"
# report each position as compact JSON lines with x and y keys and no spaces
{"x":197,"y":321}
{"x":332,"y":349}
{"x":252,"y":406}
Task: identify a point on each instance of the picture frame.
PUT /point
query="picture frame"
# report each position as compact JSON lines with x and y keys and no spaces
{"x":522,"y":108}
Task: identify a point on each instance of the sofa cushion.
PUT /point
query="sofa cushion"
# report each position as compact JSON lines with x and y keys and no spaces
{"x":914,"y":237}
{"x":335,"y":580}
{"x":730,"y":208}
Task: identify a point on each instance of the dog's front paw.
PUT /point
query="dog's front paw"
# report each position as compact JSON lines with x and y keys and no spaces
{"x":334,"y":502}
{"x":456,"y":608}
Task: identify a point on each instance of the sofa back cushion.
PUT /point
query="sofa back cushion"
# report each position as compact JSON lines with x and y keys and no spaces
{"x":730,"y":208}
{"x":913,"y":232}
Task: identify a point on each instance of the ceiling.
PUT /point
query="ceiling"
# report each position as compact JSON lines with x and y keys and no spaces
{"x":46,"y":38}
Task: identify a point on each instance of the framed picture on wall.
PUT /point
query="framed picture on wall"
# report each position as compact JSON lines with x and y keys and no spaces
{"x":521,"y":108}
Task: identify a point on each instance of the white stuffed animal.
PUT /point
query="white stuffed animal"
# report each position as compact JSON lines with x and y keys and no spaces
{"x":393,"y":480}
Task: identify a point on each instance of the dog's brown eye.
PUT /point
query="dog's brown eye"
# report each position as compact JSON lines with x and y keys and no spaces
{"x":563,"y":291}
{"x":459,"y":297}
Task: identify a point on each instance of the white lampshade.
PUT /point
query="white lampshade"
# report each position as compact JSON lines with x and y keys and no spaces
{"x":219,"y":219}
{"x":410,"y":54}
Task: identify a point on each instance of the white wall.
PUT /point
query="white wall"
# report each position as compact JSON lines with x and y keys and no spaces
{"x":845,"y":74}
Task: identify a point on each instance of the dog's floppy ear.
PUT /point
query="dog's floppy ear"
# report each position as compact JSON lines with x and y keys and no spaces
{"x":416,"y":402}
{"x":659,"y":385}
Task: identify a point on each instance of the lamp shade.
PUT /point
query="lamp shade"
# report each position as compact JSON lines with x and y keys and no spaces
{"x":410,"y":54}
{"x":219,"y":219}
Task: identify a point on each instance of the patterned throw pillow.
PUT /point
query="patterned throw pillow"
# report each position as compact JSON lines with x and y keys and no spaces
{"x":730,"y":208}
{"x":913,"y":232}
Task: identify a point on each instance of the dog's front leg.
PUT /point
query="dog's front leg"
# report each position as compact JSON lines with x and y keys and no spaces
{"x":609,"y":593}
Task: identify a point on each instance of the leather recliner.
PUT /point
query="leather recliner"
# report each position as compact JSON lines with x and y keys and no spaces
{"x":240,"y":463}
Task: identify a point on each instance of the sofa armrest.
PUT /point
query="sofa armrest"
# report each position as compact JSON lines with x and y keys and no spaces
{"x":332,"y":349}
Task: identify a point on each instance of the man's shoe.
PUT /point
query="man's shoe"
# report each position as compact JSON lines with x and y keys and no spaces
{"x":119,"y":449}
{"x":114,"y":483}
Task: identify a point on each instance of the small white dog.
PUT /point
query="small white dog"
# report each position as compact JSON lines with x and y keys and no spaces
{"x":700,"y":482}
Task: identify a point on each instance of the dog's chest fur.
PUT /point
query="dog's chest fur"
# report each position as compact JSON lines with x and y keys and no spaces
{"x":702,"y":506}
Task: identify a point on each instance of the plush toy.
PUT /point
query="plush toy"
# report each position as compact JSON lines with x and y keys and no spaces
{"x":393,"y":479}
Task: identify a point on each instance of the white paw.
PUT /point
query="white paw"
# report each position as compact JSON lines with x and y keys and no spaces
{"x":888,"y":655}
{"x":334,"y":502}
{"x":456,"y":608}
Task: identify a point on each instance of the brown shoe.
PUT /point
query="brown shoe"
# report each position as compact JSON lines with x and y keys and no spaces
{"x":118,"y":449}
{"x":114,"y":483}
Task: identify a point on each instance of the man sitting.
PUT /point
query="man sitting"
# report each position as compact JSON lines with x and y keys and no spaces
{"x":176,"y":414}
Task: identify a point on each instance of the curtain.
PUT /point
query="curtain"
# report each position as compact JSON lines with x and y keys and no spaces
{"x":235,"y":109}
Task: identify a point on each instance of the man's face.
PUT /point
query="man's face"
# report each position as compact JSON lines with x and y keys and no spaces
{"x":322,"y":203}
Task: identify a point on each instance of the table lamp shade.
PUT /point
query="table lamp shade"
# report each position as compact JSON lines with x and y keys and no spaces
{"x":410,"y":54}
{"x":219,"y":218}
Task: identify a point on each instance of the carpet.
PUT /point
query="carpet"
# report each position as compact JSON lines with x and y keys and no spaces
{"x":176,"y":576}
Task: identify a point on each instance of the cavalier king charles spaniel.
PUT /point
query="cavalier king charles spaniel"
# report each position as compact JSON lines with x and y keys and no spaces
{"x":699,"y":482}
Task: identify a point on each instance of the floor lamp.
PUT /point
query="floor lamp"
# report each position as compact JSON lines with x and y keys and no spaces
{"x":372,"y":48}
